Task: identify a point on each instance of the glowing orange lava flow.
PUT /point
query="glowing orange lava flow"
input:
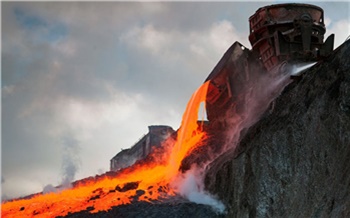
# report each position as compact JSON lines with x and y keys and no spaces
{"x":144,"y":182}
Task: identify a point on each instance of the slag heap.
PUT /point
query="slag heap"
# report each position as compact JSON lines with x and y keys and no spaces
{"x":237,"y":92}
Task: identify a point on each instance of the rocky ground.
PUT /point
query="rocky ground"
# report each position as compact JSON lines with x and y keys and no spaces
{"x":173,"y":209}
{"x":295,"y":162}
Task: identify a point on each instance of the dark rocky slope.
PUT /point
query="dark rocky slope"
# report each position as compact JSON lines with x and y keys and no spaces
{"x":153,"y":210}
{"x":295,"y":162}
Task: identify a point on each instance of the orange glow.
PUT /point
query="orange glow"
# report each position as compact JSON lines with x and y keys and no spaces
{"x":143,"y":182}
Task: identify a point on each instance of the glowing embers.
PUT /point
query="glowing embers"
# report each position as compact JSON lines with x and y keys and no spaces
{"x":144,"y":181}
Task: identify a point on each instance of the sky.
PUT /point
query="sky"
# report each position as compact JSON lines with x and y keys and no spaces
{"x":80,"y":81}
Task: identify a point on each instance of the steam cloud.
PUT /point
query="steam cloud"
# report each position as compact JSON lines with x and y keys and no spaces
{"x":299,"y":68}
{"x":49,"y":188}
{"x":70,"y":159}
{"x":190,"y":185}
{"x":255,"y":99}
{"x":70,"y":164}
{"x":257,"y":96}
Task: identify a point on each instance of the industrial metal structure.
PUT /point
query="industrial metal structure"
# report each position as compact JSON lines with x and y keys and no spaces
{"x":154,"y":138}
{"x":289,"y":32}
{"x":281,"y":35}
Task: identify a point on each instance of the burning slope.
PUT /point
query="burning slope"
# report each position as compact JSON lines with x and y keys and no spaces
{"x":144,"y":182}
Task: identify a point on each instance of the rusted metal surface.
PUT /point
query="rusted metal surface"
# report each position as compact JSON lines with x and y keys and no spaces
{"x":154,"y":138}
{"x":236,"y":71}
{"x":289,"y":32}
{"x":281,"y":35}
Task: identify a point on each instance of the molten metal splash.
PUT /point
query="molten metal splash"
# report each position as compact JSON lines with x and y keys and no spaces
{"x":144,"y":182}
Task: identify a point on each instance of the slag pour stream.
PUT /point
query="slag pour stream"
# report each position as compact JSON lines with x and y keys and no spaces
{"x":148,"y":181}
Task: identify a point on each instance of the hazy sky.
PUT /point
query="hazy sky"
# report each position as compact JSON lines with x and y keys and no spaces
{"x":80,"y":81}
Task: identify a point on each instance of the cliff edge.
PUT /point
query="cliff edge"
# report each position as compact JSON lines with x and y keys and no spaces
{"x":294,"y":162}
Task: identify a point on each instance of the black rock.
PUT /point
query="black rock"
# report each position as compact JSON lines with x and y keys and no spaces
{"x":151,"y":210}
{"x":127,"y":186}
{"x":294,"y":162}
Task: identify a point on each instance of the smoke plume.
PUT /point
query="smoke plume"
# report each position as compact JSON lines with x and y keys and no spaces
{"x":255,"y":98}
{"x":190,"y":185}
{"x":49,"y":189}
{"x":70,"y":164}
{"x":70,"y":159}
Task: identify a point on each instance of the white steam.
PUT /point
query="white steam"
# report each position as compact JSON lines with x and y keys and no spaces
{"x":49,"y":189}
{"x":70,"y":164}
{"x":70,"y":160}
{"x":190,"y":185}
{"x":297,"y":69}
{"x":254,"y":99}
